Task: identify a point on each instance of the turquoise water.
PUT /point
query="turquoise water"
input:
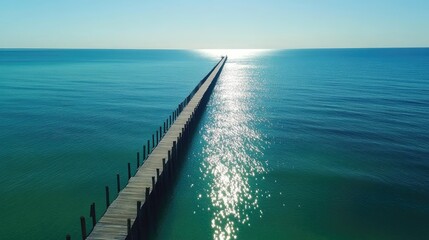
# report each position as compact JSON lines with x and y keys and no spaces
{"x":310,"y":144}
{"x":294,"y":144}
{"x":70,"y":120}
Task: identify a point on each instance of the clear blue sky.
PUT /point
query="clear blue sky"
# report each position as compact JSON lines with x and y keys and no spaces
{"x":213,"y":24}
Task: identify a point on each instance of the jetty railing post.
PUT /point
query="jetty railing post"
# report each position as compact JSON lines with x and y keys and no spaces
{"x":164,"y":127}
{"x":147,"y":194}
{"x":148,"y":213}
{"x":182,"y":137}
{"x":118,"y":183}
{"x":174,"y":157}
{"x":148,"y":147}
{"x":144,"y":153}
{"x":139,"y":206}
{"x":164,"y":173}
{"x":158,"y":182}
{"x":157,"y":137}
{"x":179,"y":145}
{"x":129,"y":228}
{"x":138,"y":220}
{"x":185,"y":134}
{"x":169,"y":166}
{"x":129,"y":171}
{"x":153,"y":141}
{"x":107,"y":197}
{"x":83,"y":227}
{"x":92,"y":214}
{"x":182,"y":144}
{"x":138,"y":160}
{"x":153,"y":199}
{"x":175,"y":150}
{"x":185,"y":137}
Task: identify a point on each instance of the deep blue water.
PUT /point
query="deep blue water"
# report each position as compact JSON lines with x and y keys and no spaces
{"x":294,"y":144}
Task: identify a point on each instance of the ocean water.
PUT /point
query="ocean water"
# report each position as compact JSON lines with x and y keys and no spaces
{"x":70,"y":120}
{"x":294,"y":144}
{"x":310,"y":144}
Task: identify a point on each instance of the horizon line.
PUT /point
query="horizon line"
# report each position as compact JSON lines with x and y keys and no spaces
{"x":303,"y":48}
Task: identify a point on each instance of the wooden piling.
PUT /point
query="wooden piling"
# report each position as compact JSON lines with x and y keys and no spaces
{"x":92,"y":214}
{"x":170,"y":165}
{"x":157,"y":138}
{"x":147,"y":193}
{"x":148,"y":147}
{"x":174,"y":152}
{"x":129,"y":227}
{"x":164,"y":172}
{"x":107,"y":197}
{"x":139,"y":205}
{"x":118,"y":183}
{"x":83,"y":227}
{"x":148,"y":210}
{"x":138,"y":160}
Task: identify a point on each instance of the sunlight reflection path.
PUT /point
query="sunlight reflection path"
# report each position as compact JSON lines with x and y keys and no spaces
{"x":232,"y":147}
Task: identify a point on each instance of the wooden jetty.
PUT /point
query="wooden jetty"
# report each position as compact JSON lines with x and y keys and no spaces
{"x":133,"y":214}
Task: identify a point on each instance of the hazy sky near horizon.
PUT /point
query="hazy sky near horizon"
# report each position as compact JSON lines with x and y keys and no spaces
{"x":193,"y":24}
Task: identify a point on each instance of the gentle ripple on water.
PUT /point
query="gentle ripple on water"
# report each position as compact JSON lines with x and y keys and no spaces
{"x":297,"y":144}
{"x":231,"y":144}
{"x":65,"y":113}
{"x":327,"y":144}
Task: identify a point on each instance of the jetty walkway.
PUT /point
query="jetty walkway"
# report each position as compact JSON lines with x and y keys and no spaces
{"x":133,"y":214}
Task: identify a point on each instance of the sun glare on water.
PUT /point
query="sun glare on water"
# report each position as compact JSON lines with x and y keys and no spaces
{"x":233,"y":53}
{"x":233,"y":146}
